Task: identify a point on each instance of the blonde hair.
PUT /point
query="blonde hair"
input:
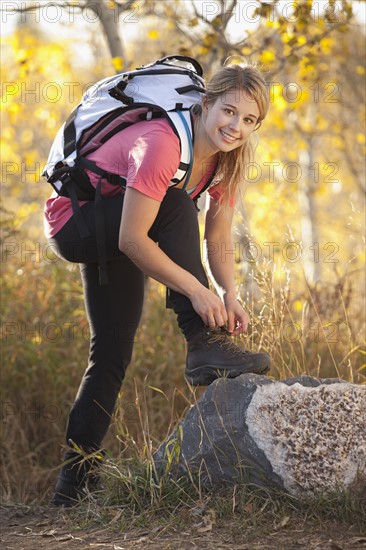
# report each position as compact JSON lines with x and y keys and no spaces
{"x":243,"y":77}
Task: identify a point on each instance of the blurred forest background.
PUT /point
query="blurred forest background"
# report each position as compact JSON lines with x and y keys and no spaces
{"x":299,"y":229}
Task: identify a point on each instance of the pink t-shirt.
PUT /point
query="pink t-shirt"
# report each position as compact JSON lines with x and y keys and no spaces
{"x":146,"y":153}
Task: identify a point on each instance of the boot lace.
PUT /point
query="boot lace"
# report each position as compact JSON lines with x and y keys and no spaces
{"x":221,"y":337}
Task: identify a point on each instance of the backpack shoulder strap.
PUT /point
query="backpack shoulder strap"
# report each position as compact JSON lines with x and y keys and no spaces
{"x":188,"y":131}
{"x":70,"y":134}
{"x":182,"y":126}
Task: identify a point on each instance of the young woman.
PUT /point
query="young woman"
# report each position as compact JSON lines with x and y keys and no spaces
{"x":152,"y":229}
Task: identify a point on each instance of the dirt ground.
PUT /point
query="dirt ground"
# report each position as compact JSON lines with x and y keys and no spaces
{"x":25,"y":528}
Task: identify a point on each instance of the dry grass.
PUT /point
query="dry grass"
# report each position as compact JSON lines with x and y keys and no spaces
{"x":316,"y":331}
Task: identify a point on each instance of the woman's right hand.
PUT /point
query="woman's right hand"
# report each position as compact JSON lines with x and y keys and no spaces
{"x":209,"y":307}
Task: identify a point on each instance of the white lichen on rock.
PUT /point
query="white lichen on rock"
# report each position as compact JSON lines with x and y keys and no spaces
{"x":314,"y":437}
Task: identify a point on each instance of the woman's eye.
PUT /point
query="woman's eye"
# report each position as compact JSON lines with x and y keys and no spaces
{"x":229,"y":111}
{"x":248,"y":121}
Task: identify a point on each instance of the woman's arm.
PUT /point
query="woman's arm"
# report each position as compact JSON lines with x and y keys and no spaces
{"x":220,"y":252}
{"x":138,"y":214}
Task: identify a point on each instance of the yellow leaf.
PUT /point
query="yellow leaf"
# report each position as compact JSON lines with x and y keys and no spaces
{"x":118,"y":63}
{"x":14,"y":108}
{"x":26,"y":210}
{"x":326,"y":44}
{"x":361,"y":138}
{"x":277,"y":98}
{"x":202,"y":50}
{"x":21,"y":55}
{"x":287,"y":37}
{"x":321,"y":123}
{"x":210,"y":39}
{"x":360,"y":69}
{"x":301,"y":40}
{"x":292,"y":155}
{"x":267,"y":56}
{"x":154,"y":35}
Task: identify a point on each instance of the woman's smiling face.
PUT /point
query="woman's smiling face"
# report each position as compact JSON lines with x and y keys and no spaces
{"x":230,"y":120}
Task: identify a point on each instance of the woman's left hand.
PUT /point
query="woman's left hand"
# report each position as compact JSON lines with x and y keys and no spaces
{"x":238,"y":319}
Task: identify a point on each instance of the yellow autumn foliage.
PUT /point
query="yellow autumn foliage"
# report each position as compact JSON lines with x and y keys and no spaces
{"x":305,"y":139}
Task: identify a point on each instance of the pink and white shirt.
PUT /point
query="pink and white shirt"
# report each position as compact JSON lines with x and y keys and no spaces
{"x":146,"y":153}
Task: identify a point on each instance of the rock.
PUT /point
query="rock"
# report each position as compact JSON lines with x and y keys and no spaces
{"x":302,"y":435}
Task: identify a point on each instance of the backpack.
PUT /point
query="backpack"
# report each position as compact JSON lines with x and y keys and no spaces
{"x":165,"y":88}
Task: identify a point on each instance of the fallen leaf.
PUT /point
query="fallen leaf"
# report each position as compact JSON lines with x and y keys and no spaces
{"x":142,"y":539}
{"x":210,"y":516}
{"x":282,"y":523}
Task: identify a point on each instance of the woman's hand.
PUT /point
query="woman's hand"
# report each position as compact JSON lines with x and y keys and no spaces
{"x":209,"y":307}
{"x":216,"y":313}
{"x":237,"y":318}
{"x":221,"y":263}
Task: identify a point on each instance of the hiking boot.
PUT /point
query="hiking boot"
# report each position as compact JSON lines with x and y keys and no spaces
{"x":213,"y":354}
{"x":75,"y":479}
{"x":67,"y":492}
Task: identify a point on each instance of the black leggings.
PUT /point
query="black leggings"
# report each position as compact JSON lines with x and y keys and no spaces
{"x":114,"y":310}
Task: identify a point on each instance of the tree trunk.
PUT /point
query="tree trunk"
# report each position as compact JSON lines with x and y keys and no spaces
{"x":109,"y":21}
{"x":309,"y":232}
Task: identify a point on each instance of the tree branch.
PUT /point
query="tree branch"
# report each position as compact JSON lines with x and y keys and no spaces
{"x":38,"y":6}
{"x":121,"y":8}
